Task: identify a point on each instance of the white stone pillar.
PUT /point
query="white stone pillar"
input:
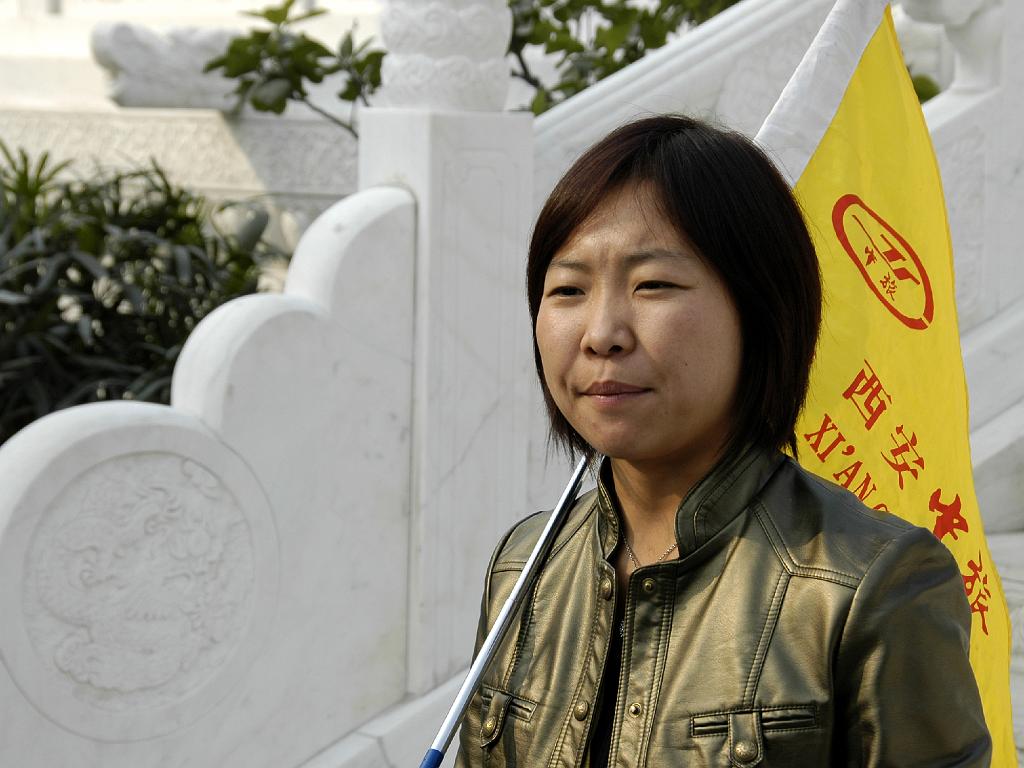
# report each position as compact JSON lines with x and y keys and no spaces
{"x":440,"y":133}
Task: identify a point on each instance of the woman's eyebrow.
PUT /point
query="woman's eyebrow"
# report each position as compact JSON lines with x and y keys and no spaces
{"x":571,"y":264}
{"x":629,"y":261}
{"x":656,"y":254}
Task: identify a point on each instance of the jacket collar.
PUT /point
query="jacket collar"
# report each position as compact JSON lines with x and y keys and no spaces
{"x":710,"y":505}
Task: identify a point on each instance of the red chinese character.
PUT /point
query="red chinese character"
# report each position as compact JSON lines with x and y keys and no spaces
{"x":904,"y":445}
{"x":980,"y":603}
{"x":949,"y":520}
{"x":888,"y":285}
{"x":867,"y":395}
{"x":893,"y":255}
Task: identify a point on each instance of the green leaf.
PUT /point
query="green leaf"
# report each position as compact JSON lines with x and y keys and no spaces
{"x":541,"y":102}
{"x":11,"y":298}
{"x":613,"y":37}
{"x":345,"y":49}
{"x":135,"y":298}
{"x":925,"y":87}
{"x":84,"y":327}
{"x":54,"y":270}
{"x":80,"y":394}
{"x":153,"y":388}
{"x":564,"y":41}
{"x":272,"y":95}
{"x":39,"y":397}
{"x":90,"y":262}
{"x":308,"y":15}
{"x":215,"y":63}
{"x":275,"y":14}
{"x":310,"y":48}
{"x":541,"y":33}
{"x":351,"y":91}
{"x":182,"y":263}
{"x":104,"y":364}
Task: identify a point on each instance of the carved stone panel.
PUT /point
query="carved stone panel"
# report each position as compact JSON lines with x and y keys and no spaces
{"x":139,"y":582}
{"x":136,"y":590}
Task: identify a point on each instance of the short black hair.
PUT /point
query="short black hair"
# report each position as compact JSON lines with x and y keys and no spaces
{"x":727,"y":199}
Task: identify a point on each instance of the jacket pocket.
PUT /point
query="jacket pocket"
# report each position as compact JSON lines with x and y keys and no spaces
{"x":745,"y":731}
{"x":498,"y":706}
{"x":789,"y":718}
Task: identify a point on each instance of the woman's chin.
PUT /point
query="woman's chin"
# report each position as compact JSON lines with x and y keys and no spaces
{"x":623,"y":447}
{"x":627,"y":448}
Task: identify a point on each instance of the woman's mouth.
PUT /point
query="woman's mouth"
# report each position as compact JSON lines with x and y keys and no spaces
{"x":613,"y":392}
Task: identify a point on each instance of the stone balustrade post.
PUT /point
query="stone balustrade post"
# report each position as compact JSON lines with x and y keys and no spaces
{"x":437,"y":129}
{"x":975,"y":29}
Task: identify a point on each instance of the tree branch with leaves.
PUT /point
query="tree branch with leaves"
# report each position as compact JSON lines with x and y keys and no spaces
{"x":273,"y":66}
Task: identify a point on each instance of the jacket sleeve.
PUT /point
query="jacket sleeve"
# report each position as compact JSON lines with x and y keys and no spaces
{"x":470,"y":755}
{"x":903,"y":677}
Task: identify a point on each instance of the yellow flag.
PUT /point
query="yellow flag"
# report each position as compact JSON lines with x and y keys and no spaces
{"x":887,"y":412}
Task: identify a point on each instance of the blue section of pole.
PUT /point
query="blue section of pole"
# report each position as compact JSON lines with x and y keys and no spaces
{"x":432,"y":759}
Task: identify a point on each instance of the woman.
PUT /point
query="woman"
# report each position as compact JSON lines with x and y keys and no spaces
{"x":710,"y":603}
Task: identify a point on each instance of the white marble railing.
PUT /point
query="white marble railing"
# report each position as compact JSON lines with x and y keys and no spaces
{"x":224,"y":581}
{"x":297,"y":543}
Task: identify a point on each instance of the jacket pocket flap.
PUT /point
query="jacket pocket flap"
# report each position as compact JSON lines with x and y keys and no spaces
{"x":496,"y":707}
{"x":746,"y":747}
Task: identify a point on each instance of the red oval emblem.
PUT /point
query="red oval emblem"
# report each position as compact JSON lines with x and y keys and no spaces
{"x":886,"y":262}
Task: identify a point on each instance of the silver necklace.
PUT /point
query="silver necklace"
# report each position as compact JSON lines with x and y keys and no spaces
{"x":636,"y":564}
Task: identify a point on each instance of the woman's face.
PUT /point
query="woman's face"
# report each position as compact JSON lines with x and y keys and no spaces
{"x":639,"y":337}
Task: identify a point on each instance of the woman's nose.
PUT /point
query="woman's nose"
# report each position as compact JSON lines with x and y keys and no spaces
{"x":609,"y":330}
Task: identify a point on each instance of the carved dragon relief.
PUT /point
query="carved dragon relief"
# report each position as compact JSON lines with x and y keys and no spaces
{"x":141,"y":590}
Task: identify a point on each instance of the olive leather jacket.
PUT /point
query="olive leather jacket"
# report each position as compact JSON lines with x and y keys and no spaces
{"x":797,"y":628}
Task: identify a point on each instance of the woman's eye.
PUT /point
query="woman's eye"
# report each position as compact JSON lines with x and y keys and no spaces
{"x":654,"y":285}
{"x":565,"y":290}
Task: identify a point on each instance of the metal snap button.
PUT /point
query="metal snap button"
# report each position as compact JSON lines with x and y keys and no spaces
{"x":635,"y":709}
{"x":489,"y":725}
{"x":744,"y":750}
{"x":606,"y":588}
{"x":581,"y":710}
{"x":648,"y":585}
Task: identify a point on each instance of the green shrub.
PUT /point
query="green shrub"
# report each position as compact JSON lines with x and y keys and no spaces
{"x":101,"y":282}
